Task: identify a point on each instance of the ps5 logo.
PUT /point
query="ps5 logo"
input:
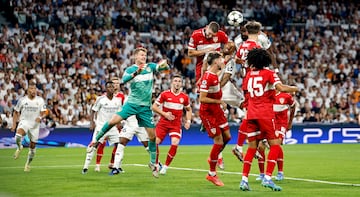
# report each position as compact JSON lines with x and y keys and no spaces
{"x":351,"y":135}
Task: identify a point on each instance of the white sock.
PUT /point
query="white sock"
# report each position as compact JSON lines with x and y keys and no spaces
{"x":267,"y":177}
{"x":88,"y":159}
{"x":31,"y":155}
{"x":119,"y":155}
{"x":147,"y":149}
{"x":220,"y":155}
{"x":18,"y":138}
{"x":212,"y":173}
{"x":239,"y":148}
{"x":245,"y":178}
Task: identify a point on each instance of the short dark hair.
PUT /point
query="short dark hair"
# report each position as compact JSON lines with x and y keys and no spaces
{"x":212,"y":56}
{"x":107,"y":83}
{"x":259,"y":58}
{"x":253,"y":27}
{"x":176,"y":76}
{"x":214,"y":26}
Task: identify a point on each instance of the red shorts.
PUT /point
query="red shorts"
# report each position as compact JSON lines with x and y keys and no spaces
{"x":243,"y":126}
{"x":164,"y":129}
{"x":215,"y":122}
{"x":258,"y":129}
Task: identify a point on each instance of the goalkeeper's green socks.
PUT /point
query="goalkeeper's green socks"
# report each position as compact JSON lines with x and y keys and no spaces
{"x":152,"y":149}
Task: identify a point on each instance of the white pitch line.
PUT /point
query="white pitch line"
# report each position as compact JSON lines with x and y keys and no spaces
{"x":197,"y":170}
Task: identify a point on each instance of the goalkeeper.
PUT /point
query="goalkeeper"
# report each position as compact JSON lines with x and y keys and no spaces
{"x":140,"y":76}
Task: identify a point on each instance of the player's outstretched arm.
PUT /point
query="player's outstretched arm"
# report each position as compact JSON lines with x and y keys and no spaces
{"x":286,"y":88}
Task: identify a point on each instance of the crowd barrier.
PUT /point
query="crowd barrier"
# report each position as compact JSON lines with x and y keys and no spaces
{"x":300,"y":134}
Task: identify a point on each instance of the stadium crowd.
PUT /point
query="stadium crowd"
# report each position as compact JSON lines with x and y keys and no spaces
{"x":72,"y":47}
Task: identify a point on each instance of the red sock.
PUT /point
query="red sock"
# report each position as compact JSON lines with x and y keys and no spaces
{"x":261,"y":161}
{"x":100,"y":152}
{"x":241,"y":134}
{"x":113,"y":155}
{"x":171,"y":154}
{"x":272,"y":157}
{"x":250,"y":153}
{"x":216,"y":149}
{"x":280,"y":160}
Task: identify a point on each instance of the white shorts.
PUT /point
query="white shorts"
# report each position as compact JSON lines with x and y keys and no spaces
{"x":112,"y":135}
{"x":129,"y":131}
{"x":231,"y":95}
{"x":31,"y":129}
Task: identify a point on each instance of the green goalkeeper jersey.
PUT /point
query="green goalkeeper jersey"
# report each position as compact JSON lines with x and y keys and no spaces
{"x":142,"y":84}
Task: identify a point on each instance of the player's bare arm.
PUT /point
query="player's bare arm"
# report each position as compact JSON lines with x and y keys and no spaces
{"x":196,"y":53}
{"x":92,"y":120}
{"x":167,"y":115}
{"x":15,"y":120}
{"x":291,"y":117}
{"x":188,"y":117}
{"x":204,"y":99}
{"x":42,"y":115}
{"x":225,"y":79}
{"x":286,"y":88}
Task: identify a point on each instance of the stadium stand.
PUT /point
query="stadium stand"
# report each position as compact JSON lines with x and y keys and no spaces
{"x":72,"y":47}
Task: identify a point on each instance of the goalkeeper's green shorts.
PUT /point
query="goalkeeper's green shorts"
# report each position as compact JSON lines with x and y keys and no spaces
{"x":144,"y":114}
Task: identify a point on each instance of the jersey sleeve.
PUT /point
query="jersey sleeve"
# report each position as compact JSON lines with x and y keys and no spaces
{"x":230,"y":66}
{"x":18,"y":105}
{"x":127,"y":76}
{"x":264,"y":41}
{"x":192,"y":42}
{"x":224,"y":37}
{"x":97,"y":105}
{"x":205,"y":83}
{"x":274,"y":79}
{"x":291,"y":100}
{"x":43,"y":105}
{"x":160,"y":99}
{"x":186,"y":100}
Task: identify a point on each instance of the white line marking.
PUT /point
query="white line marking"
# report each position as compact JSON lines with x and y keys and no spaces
{"x":197,"y":170}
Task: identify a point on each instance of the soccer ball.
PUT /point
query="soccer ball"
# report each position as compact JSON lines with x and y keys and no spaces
{"x":234,"y":18}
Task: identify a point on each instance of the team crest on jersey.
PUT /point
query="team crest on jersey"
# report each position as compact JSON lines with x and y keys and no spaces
{"x":215,"y":39}
{"x":203,"y":84}
{"x":181,"y":100}
{"x":282,"y":100}
{"x":148,"y":69}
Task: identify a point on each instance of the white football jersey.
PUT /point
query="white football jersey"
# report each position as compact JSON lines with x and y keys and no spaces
{"x":263,"y":40}
{"x":230,"y":68}
{"x":106,"y":108}
{"x":231,"y":95}
{"x":30,"y":108}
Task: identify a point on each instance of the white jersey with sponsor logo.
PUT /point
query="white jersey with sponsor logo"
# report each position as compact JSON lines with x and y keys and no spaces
{"x":263,"y":40}
{"x":106,"y":108}
{"x":30,"y":108}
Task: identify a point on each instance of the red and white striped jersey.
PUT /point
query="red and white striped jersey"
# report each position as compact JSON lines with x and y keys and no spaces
{"x":173,"y":103}
{"x":210,"y":83}
{"x":198,"y":41}
{"x":281,"y":107}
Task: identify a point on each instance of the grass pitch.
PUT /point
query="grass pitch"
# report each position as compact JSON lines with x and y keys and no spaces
{"x":310,"y":170}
